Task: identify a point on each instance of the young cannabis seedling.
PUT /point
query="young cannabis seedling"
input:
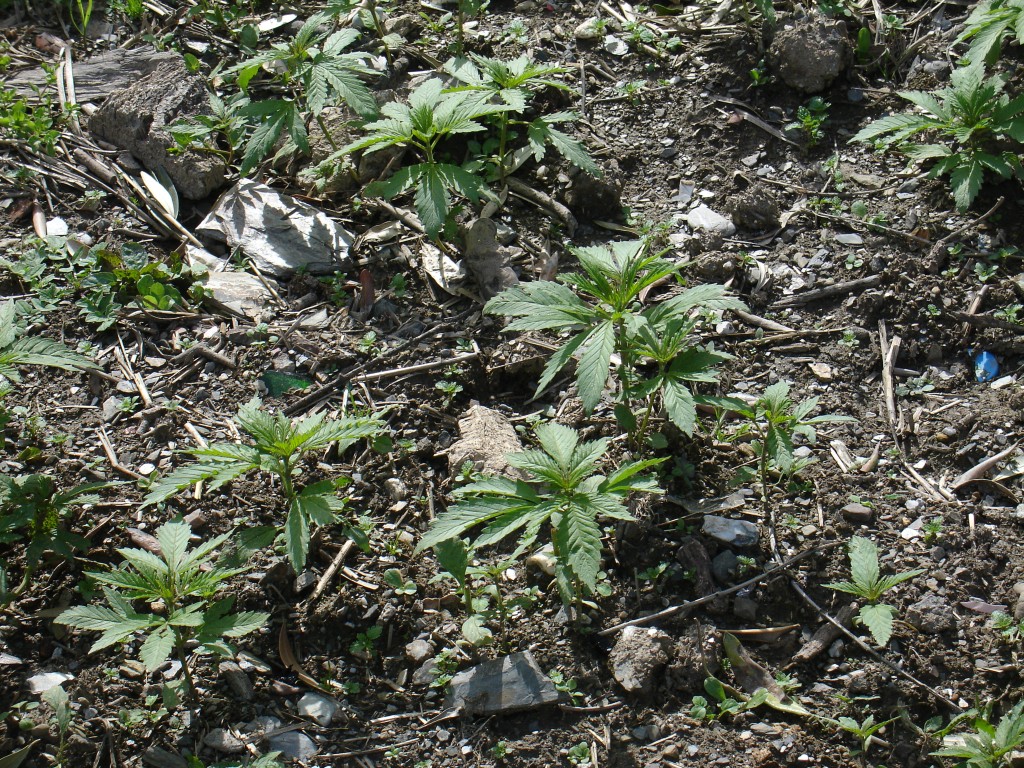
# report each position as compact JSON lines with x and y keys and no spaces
{"x":516,"y":83}
{"x":280,"y":446}
{"x":863,"y":731}
{"x":989,"y":24}
{"x":315,"y":73}
{"x":431,"y":116}
{"x":182,"y":583}
{"x":775,"y":420}
{"x":869,"y":584}
{"x":809,"y":119}
{"x":973,"y":117}
{"x":605,"y":320}
{"x":17,"y":349}
{"x":32,"y":509}
{"x":991,"y":746}
{"x":566,"y":495}
{"x":1011,"y":629}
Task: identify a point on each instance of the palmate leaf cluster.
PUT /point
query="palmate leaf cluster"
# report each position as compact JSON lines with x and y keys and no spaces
{"x":315,"y":66}
{"x":184,"y":582}
{"x":990,"y":746}
{"x":17,"y":349}
{"x":602,"y":317}
{"x":973,"y":117}
{"x":32,"y":509}
{"x":989,"y":25}
{"x":776,"y":420}
{"x":566,"y":495}
{"x":867,"y":582}
{"x":279,"y":445}
{"x":516,"y":82}
{"x":431,"y":116}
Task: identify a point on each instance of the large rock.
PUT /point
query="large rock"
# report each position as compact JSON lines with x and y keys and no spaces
{"x":277,"y":232}
{"x":811,"y":53}
{"x":488,"y":260}
{"x":733,"y":533}
{"x":931,"y":615}
{"x":487,"y":437}
{"x":638,"y":657}
{"x":509,"y":684}
{"x":135,"y":118}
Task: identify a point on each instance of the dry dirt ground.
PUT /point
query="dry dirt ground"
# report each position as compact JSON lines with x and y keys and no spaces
{"x":668,"y":124}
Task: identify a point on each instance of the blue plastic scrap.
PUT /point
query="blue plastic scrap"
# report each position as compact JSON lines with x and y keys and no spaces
{"x":986,"y":367}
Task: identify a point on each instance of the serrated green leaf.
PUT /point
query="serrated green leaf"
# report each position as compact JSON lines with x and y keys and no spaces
{"x":878,"y":619}
{"x":864,"y":563}
{"x":592,"y":369}
{"x":157,"y":648}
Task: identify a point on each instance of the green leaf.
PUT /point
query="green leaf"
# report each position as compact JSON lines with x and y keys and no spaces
{"x":863,"y":562}
{"x":157,"y":648}
{"x":296,"y":539}
{"x":475,"y":632}
{"x":558,"y":441}
{"x":579,"y":536}
{"x":592,"y":370}
{"x":878,"y":619}
{"x":432,"y":201}
{"x":173,"y":537}
{"x":453,"y":555}
{"x":679,"y":405}
{"x":966,"y":181}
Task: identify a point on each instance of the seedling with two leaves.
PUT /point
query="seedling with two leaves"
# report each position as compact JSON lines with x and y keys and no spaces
{"x":869,"y":584}
{"x":566,"y":495}
{"x":280,"y":446}
{"x":605,"y":319}
{"x":183,"y":583}
{"x":973,"y":117}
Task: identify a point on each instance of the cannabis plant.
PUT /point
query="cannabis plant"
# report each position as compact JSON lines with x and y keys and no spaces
{"x":280,"y":446}
{"x":33,"y":510}
{"x":316,"y":73}
{"x":605,"y":320}
{"x":972,"y":117}
{"x":516,"y":83}
{"x":431,"y":116}
{"x":869,"y":584}
{"x":565,"y":494}
{"x":991,"y":746}
{"x":17,"y":349}
{"x":178,"y":586}
{"x":989,"y":24}
{"x":775,"y":420}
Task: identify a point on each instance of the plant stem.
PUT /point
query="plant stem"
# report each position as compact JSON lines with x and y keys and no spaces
{"x":190,"y":685}
{"x":459,"y":32}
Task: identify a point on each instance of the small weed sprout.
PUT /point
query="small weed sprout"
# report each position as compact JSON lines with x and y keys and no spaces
{"x":869,"y":584}
{"x":809,"y":119}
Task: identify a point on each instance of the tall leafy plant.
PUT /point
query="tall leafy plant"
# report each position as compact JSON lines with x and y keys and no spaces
{"x":279,"y":447}
{"x":989,"y":25}
{"x":603,"y":318}
{"x":566,"y":495}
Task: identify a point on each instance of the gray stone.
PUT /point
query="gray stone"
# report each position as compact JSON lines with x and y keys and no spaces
{"x":238,"y":681}
{"x":304,"y":581}
{"x":318,"y":707}
{"x":857,"y":513}
{"x":745,"y":608}
{"x":811,"y":53}
{"x":238,"y":292}
{"x":849,"y":238}
{"x":487,"y":437}
{"x":931,"y":615}
{"x":44,"y":681}
{"x":708,"y":220}
{"x":419,"y":651}
{"x":426,"y":673}
{"x":734,"y":533}
{"x":222,"y":740}
{"x":135,"y":119}
{"x":638,"y":657}
{"x":395,"y":489}
{"x":487,"y":260}
{"x":279,"y":233}
{"x":588,"y":30}
{"x":155,"y":757}
{"x":724,"y":566}
{"x":294,"y":745}
{"x":508,"y":684}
